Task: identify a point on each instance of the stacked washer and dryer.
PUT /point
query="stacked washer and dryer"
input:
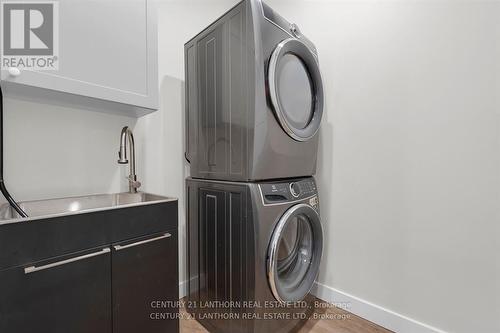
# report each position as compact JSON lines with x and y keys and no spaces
{"x":254,"y":103}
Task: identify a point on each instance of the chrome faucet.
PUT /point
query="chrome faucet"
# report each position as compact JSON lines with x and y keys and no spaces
{"x":133,"y":184}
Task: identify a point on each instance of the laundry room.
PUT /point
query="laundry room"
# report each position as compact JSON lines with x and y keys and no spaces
{"x":250,"y":166}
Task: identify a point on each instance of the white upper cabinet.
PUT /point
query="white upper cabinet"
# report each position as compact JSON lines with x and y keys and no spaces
{"x":107,"y":51}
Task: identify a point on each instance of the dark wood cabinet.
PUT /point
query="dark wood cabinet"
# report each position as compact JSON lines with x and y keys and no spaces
{"x":65,"y":294}
{"x":145,"y":280}
{"x":96,"y":272}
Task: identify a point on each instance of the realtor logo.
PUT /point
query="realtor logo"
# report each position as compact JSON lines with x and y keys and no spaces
{"x":30,"y":32}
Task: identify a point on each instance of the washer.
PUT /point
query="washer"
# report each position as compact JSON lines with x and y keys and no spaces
{"x":254,"y":97}
{"x":254,"y":251}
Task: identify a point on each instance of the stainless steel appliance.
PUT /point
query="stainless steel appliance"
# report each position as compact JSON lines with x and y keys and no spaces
{"x":252,"y":248}
{"x":254,"y":97}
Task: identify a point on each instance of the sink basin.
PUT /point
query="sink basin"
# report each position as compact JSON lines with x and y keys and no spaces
{"x":74,"y":205}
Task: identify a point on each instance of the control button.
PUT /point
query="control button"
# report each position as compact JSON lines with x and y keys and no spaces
{"x":295,"y":190}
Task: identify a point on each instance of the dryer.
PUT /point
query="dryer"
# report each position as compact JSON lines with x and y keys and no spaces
{"x":254,"y":97}
{"x":254,"y":251}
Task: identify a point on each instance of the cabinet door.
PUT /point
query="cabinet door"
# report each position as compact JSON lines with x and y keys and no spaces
{"x":145,"y":271}
{"x":61,"y":295}
{"x":107,"y":50}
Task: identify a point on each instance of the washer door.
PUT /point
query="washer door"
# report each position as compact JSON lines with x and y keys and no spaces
{"x":294,"y":253}
{"x":296,"y":89}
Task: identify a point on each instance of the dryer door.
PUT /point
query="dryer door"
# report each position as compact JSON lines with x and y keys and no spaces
{"x":294,"y":253}
{"x":296,"y":89}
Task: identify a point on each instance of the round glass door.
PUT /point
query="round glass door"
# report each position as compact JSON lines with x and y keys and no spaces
{"x":296,"y":89}
{"x":294,"y":253}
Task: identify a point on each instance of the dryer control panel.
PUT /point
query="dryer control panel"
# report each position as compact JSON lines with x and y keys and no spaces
{"x":288,"y":191}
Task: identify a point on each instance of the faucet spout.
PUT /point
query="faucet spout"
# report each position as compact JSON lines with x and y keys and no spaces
{"x":127,"y":135}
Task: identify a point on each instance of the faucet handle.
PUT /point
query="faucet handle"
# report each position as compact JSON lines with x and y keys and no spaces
{"x":134,"y":183}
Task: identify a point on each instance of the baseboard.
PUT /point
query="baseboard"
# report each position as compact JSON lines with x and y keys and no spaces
{"x":386,"y":318}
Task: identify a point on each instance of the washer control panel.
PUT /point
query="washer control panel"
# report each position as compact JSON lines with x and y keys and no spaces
{"x":288,"y":191}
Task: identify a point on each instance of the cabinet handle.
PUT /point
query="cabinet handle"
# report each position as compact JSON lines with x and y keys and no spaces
{"x":122,"y":247}
{"x":33,"y":269}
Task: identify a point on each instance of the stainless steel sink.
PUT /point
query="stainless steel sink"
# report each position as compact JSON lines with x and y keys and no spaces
{"x":74,"y":205}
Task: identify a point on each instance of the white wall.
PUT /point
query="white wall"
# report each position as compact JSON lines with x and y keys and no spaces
{"x":56,"y":151}
{"x":409,"y":165}
{"x":409,"y":156}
